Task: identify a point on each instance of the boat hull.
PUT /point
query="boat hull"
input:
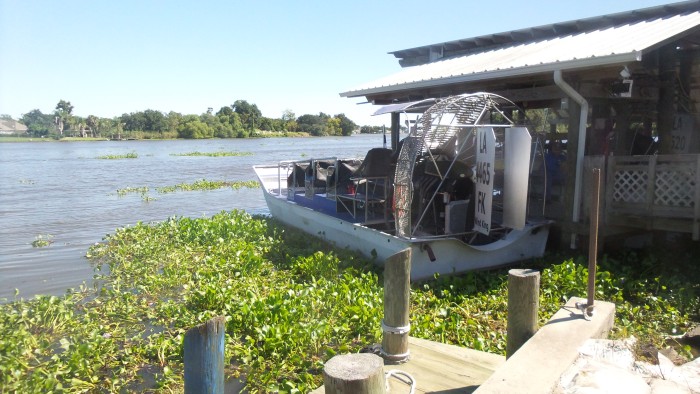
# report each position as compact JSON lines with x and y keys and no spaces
{"x":443,"y":256}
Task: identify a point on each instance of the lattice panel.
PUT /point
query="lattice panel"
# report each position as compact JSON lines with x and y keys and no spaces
{"x":630,"y":186}
{"x":675,"y":188}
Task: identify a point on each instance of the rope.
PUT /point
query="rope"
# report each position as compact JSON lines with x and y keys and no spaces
{"x":397,"y":373}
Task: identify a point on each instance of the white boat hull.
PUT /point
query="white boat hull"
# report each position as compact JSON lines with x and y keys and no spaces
{"x":442,"y":256}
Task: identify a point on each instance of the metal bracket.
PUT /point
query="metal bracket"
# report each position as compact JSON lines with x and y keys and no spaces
{"x":586,"y":310}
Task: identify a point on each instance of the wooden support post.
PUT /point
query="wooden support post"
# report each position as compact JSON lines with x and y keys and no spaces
{"x":397,"y":292}
{"x":361,"y":373}
{"x":666,"y":105}
{"x":523,"y":304}
{"x":204,"y":357}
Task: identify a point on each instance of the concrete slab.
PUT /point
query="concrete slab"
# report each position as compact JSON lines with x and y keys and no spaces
{"x":537,"y":366}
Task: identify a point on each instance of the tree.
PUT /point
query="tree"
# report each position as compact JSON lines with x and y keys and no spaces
{"x":135,"y":121}
{"x":38,"y":124}
{"x":174,"y":120}
{"x":155,"y":121}
{"x":333,"y":126}
{"x":227,"y":111}
{"x":288,"y":115}
{"x":63,"y":112}
{"x":249,"y":113}
{"x":347,"y":126}
{"x":193,"y":127}
{"x":92,"y":122}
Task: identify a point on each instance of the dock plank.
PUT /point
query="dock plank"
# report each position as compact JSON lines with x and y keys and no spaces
{"x":438,"y":367}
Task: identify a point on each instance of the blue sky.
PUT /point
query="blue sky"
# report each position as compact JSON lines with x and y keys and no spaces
{"x":113,"y":57}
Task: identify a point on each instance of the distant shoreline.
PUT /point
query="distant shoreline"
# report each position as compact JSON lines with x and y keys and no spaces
{"x":74,"y":139}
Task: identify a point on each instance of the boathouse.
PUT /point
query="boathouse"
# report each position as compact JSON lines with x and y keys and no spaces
{"x":620,"y":92}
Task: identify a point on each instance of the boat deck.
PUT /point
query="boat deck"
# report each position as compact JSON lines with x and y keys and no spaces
{"x":440,"y":368}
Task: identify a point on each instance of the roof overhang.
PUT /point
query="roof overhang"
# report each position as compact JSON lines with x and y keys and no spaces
{"x":498,"y":74}
{"x":606,"y":47}
{"x":409,"y":107}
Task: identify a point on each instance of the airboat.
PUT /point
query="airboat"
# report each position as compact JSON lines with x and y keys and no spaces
{"x":459,"y":190}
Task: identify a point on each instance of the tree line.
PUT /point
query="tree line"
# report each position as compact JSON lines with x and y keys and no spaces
{"x":239,"y":120}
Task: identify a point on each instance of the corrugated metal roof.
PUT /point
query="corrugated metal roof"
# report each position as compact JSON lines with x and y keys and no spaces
{"x":609,"y":46}
{"x":420,"y":55}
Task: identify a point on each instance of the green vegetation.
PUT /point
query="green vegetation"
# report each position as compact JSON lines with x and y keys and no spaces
{"x":42,"y":241}
{"x":238,"y":120}
{"x":22,"y":139}
{"x":204,"y":184}
{"x":214,"y":154}
{"x":130,"y":155}
{"x":199,"y":185}
{"x":290,"y":304}
{"x":128,"y":190}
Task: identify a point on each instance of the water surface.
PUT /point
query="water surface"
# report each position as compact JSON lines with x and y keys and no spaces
{"x":64,"y":190}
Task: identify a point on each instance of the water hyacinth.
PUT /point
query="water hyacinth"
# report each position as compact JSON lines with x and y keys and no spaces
{"x":290,"y":304}
{"x":130,"y":155}
{"x":214,"y":154}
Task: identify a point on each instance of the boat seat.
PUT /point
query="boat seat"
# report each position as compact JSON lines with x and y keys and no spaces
{"x":377,"y":163}
{"x":370,"y":188}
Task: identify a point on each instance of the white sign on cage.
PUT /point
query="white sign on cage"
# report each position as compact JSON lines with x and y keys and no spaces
{"x":485,"y":176}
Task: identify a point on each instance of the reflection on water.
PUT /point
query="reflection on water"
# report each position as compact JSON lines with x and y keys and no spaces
{"x":63,"y":190}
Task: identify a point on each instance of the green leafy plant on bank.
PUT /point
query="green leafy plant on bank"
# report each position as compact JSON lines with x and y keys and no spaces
{"x":214,"y":154}
{"x":130,"y":155}
{"x":290,"y":303}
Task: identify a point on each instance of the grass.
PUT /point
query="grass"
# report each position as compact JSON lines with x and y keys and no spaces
{"x":69,"y":139}
{"x":290,"y":303}
{"x":24,"y":139}
{"x":214,"y":154}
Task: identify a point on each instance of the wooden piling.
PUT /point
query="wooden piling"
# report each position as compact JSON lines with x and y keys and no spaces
{"x":397,"y":292}
{"x":361,"y":373}
{"x":523,"y":304}
{"x":204,"y":357}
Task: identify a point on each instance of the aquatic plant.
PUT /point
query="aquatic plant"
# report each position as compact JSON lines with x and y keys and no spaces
{"x":204,"y":184}
{"x":214,"y":154}
{"x":290,"y":303}
{"x":41,"y":241}
{"x":127,"y":190}
{"x":130,"y":155}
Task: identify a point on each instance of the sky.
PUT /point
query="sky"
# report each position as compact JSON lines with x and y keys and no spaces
{"x":108,"y":58}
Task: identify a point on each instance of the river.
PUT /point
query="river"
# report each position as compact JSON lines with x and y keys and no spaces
{"x":64,"y":191}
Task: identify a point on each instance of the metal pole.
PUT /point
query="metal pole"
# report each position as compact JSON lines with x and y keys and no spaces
{"x":588,"y":308}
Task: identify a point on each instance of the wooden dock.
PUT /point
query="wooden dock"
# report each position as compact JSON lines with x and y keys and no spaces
{"x":437,"y":367}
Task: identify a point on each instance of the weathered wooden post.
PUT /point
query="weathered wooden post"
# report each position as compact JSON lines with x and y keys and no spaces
{"x":523,"y":304}
{"x":397,"y":292}
{"x":204,"y":357}
{"x":357,"y":373}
